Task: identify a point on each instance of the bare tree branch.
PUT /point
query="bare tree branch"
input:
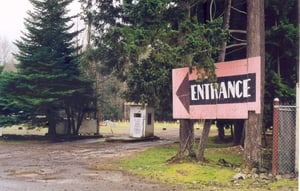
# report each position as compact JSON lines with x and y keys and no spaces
{"x":238,"y":31}
{"x":211,"y":14}
{"x":194,"y":3}
{"x":5,"y":50}
{"x":226,"y":23}
{"x":235,"y":50}
{"x":236,"y":45}
{"x":238,"y":39}
{"x":240,"y":11}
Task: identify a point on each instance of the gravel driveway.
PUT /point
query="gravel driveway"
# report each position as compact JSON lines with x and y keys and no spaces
{"x":68,"y":166}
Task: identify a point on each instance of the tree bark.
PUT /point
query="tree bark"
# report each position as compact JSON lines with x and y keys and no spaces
{"x":255,"y":47}
{"x":69,"y":128}
{"x":221,"y":124}
{"x":226,"y":24}
{"x":80,"y":117}
{"x":203,"y":140}
{"x":252,"y":146}
{"x":221,"y":132}
{"x":186,"y":129}
{"x":186,"y":139}
{"x":222,"y":55}
{"x":51,"y":118}
{"x":238,"y":131}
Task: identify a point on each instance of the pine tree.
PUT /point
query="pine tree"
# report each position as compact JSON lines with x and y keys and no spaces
{"x":48,"y":77}
{"x":149,"y":38}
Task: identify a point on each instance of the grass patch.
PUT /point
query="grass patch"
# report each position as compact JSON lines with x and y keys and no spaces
{"x":11,"y":139}
{"x":284,"y":185}
{"x":152,"y":165}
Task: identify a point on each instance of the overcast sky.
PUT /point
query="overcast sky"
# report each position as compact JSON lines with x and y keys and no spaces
{"x":12,"y":14}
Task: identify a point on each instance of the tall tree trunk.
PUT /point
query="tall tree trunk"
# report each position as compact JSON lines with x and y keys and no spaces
{"x":73,"y":120}
{"x":186,"y":139}
{"x":221,"y":131}
{"x":222,"y":52}
{"x":255,"y":47}
{"x":89,"y":34}
{"x":67,"y":110}
{"x":238,"y":131}
{"x":80,"y":116}
{"x":51,"y":118}
{"x":186,"y":129}
{"x":226,"y":24}
{"x":203,"y":139}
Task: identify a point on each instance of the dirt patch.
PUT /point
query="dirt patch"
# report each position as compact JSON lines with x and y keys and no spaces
{"x":69,"y":166}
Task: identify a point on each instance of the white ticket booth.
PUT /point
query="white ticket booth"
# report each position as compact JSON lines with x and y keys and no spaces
{"x":141,"y":121}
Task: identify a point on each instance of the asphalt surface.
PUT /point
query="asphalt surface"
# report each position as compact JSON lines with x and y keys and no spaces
{"x":70,"y":166}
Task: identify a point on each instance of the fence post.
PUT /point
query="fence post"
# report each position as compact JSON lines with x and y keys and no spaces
{"x":275,"y":136}
{"x":297,"y":123}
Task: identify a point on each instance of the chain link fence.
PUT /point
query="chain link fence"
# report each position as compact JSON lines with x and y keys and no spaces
{"x":284,"y":139}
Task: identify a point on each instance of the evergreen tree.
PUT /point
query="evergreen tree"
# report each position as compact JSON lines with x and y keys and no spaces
{"x":48,"y":77}
{"x":11,"y":112}
{"x":282,"y":35}
{"x":146,"y":39}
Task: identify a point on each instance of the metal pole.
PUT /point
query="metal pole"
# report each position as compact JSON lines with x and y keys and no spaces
{"x":297,"y":128}
{"x":275,"y":136}
{"x":297,"y":100}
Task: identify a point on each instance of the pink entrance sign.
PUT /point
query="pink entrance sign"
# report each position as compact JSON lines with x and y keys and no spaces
{"x":236,"y":91}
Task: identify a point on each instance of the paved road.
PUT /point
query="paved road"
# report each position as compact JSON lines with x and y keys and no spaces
{"x":69,"y":166}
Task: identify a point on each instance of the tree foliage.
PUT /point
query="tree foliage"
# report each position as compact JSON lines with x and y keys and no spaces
{"x":141,"y":41}
{"x":11,"y":111}
{"x":48,"y":78}
{"x":282,"y":34}
{"x":141,"y":45}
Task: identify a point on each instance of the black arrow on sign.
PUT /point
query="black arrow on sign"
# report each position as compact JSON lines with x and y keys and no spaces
{"x":183,"y":93}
